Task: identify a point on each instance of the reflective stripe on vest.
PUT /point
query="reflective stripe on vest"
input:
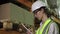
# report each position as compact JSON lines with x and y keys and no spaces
{"x":44,"y":26}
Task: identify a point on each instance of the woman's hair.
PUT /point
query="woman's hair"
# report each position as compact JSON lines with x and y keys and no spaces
{"x":46,"y":11}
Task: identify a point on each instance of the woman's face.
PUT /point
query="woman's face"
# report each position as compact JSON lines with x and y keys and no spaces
{"x":39,"y":14}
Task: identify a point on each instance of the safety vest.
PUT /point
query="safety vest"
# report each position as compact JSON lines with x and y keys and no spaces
{"x":45,"y":27}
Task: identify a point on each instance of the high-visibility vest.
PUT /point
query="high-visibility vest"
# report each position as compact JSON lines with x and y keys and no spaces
{"x":44,"y":28}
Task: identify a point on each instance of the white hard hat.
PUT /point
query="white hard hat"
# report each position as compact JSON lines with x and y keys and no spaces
{"x":37,"y":4}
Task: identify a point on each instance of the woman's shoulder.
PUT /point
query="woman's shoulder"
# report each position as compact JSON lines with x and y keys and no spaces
{"x":53,"y":25}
